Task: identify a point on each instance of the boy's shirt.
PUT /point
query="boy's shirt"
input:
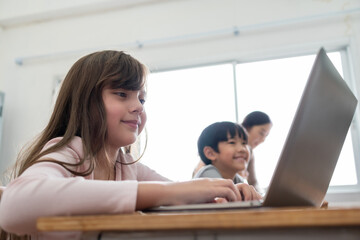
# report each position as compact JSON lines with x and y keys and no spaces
{"x":210,"y":171}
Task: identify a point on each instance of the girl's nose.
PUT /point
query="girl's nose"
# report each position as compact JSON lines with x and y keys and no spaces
{"x":137,"y":107}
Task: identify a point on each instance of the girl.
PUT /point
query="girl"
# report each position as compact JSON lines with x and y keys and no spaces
{"x":80,"y":163}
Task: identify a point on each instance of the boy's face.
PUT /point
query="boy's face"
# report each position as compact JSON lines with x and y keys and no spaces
{"x":233,"y":156}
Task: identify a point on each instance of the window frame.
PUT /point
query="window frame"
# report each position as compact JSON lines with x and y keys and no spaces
{"x":348,"y":71}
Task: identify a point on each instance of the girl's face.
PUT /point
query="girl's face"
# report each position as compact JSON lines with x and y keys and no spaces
{"x":257,"y":134}
{"x":125,"y":116}
{"x":233,"y":156}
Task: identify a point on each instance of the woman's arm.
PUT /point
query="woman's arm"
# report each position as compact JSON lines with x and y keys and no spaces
{"x":252,"y":180}
{"x":198,"y":167}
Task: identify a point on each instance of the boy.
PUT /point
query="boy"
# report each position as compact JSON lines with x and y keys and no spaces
{"x":222,"y":146}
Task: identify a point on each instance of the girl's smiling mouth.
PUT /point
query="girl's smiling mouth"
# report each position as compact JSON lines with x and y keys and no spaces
{"x":134,"y":124}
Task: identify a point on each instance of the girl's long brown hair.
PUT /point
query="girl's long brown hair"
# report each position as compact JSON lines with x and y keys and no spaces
{"x":79,"y":109}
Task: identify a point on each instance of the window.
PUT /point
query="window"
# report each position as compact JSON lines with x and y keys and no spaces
{"x":181,"y":103}
{"x":266,"y":81}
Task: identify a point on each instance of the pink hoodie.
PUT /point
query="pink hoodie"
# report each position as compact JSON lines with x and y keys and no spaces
{"x":47,"y":189}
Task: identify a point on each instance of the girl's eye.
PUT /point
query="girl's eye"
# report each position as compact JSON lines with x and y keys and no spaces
{"x":142,"y":101}
{"x":121,"y":94}
{"x":231,"y":142}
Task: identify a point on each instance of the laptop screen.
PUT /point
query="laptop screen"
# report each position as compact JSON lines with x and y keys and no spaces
{"x":316,"y":136}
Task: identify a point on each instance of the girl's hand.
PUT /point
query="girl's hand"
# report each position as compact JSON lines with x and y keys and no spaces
{"x":205,"y":190}
{"x":201,"y":190}
{"x":248,"y":192}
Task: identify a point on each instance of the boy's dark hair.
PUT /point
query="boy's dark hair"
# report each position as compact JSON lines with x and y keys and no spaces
{"x":218,"y":132}
{"x":254,"y":119}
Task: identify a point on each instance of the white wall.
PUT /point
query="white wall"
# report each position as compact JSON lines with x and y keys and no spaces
{"x":51,"y":35}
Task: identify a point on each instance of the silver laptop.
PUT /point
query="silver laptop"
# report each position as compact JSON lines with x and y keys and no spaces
{"x":313,"y":145}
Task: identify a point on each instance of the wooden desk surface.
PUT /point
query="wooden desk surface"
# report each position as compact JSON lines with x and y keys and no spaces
{"x":206,"y":220}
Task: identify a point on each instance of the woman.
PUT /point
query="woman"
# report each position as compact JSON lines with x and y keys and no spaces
{"x":258,"y":126}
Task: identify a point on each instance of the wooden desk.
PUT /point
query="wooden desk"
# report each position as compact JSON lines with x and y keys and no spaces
{"x":261,"y":223}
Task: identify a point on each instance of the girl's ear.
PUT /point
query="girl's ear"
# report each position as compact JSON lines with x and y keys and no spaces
{"x":210,"y":153}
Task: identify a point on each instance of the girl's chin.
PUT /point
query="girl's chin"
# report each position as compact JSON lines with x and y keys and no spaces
{"x":127,"y":142}
{"x":131,"y":142}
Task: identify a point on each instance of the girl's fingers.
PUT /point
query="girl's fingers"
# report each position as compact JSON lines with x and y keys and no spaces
{"x":257,"y":196}
{"x":248,"y":192}
{"x":232,"y":191}
{"x":235,"y":190}
{"x":220,"y":200}
{"x":223,"y":188}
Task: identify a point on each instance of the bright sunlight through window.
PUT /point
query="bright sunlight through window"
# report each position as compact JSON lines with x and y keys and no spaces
{"x":181,"y":103}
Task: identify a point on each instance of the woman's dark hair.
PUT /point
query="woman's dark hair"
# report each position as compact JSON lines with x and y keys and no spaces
{"x":254,"y":119}
{"x":218,"y":132}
